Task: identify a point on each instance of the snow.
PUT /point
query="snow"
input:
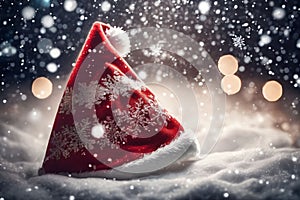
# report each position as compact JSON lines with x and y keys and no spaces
{"x":28,"y":13}
{"x":97,"y":131}
{"x":51,"y":67}
{"x":298,"y":43}
{"x":47,"y":21}
{"x":264,"y":40}
{"x":278,"y":13}
{"x":105,"y":6}
{"x":55,"y":53}
{"x":249,"y":162}
{"x":142,"y":75}
{"x":70,"y":5}
{"x":44,"y":45}
{"x":243,"y":166}
{"x":238,"y":41}
{"x":204,"y":7}
{"x":7,"y":50}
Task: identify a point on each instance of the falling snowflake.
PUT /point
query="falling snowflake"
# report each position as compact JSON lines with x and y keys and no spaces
{"x":179,"y":3}
{"x":156,"y":50}
{"x":238,"y":40}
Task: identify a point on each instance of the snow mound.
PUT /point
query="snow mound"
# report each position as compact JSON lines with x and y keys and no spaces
{"x":243,"y":166}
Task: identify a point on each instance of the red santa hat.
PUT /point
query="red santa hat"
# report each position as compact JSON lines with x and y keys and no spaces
{"x":108,"y":122}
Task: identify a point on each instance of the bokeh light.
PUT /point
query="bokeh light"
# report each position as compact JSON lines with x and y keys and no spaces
{"x":231,"y":84}
{"x":228,"y":65}
{"x":272,"y":91}
{"x":70,"y":5}
{"x":41,"y":88}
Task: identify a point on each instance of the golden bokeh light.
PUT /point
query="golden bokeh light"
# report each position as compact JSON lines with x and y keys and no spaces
{"x":272,"y":91}
{"x":228,"y":65}
{"x":41,"y":88}
{"x":231,"y":84}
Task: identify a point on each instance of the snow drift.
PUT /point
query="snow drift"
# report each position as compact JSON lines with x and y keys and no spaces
{"x":247,"y":163}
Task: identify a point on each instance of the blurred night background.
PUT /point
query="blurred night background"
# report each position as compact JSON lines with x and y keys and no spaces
{"x":42,"y":38}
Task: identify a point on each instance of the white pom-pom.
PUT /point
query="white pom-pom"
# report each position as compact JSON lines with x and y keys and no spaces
{"x":119,"y":39}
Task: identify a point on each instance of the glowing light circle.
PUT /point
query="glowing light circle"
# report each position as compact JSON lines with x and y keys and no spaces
{"x":228,"y":65}
{"x":231,"y":84}
{"x":272,"y":91}
{"x":42,"y":88}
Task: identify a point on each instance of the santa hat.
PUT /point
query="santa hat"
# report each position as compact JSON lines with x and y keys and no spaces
{"x":108,"y":122}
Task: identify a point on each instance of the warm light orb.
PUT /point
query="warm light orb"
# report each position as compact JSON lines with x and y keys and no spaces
{"x":228,"y":64}
{"x":272,"y":91}
{"x":41,"y":88}
{"x":231,"y":84}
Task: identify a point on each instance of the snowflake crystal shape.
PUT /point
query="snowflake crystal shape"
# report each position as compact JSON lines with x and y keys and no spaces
{"x":111,"y":88}
{"x":85,"y":96}
{"x":64,"y":143}
{"x":238,"y":41}
{"x":116,"y":86}
{"x":113,"y":133}
{"x":156,"y":50}
{"x":142,"y":116}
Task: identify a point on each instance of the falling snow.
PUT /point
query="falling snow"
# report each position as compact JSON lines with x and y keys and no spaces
{"x":238,"y":41}
{"x":43,"y":38}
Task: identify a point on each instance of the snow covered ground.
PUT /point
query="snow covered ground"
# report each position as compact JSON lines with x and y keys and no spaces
{"x":249,"y":162}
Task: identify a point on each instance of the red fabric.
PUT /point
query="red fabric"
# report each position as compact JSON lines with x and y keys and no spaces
{"x":67,"y":152}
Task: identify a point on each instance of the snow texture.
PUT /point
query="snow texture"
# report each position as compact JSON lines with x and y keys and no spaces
{"x":247,"y":163}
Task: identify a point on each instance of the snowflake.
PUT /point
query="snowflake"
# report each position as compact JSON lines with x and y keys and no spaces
{"x":86,"y":94}
{"x":110,"y":88}
{"x":83,"y":129}
{"x":64,"y":142}
{"x":179,"y":3}
{"x":159,"y":113}
{"x":116,"y":86}
{"x":74,"y":138}
{"x":142,"y":116}
{"x":238,"y":41}
{"x":156,"y":50}
{"x":65,"y":106}
{"x":113,"y":133}
{"x":93,"y":93}
{"x":132,"y":84}
{"x":184,"y":2}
